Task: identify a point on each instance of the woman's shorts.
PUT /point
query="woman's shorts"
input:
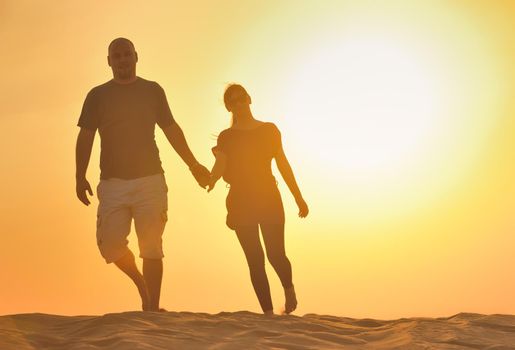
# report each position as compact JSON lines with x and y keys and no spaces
{"x":254,"y":205}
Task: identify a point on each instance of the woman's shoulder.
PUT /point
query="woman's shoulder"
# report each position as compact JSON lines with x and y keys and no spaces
{"x":224,"y":132}
{"x":224,"y":136}
{"x":264,"y":125}
{"x":271,"y":127}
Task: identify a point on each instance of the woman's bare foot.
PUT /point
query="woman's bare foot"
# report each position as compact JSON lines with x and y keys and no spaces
{"x":291,"y":300}
{"x":269,"y":313}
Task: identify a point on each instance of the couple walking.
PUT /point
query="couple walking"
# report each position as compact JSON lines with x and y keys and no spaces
{"x":132,"y":186}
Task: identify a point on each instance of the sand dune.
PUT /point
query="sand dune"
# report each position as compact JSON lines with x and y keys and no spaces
{"x":245,"y":330}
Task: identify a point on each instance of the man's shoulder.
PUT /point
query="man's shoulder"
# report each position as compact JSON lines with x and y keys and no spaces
{"x":110,"y":86}
{"x":149,"y":83}
{"x":151,"y":87}
{"x":99,"y":89}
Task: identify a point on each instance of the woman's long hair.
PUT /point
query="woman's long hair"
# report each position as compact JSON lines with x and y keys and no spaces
{"x":229,"y":91}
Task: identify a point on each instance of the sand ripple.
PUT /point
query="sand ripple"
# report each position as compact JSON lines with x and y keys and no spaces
{"x":245,"y":330}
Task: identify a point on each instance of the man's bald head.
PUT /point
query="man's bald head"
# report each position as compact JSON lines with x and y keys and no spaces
{"x":117,"y":42}
{"x":122,"y":59}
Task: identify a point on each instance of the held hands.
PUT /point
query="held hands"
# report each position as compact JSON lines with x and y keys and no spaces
{"x":303,"y":207}
{"x":201,"y":174}
{"x":81,"y":186}
{"x":212,"y":183}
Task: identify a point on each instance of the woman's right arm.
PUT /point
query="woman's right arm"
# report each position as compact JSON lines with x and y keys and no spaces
{"x":287,"y":173}
{"x":218,"y":169}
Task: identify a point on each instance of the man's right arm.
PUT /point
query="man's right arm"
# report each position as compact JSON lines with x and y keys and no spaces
{"x":175,"y":136}
{"x":82,"y":154}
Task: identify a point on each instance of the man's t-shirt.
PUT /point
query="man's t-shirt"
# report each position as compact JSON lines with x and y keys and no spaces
{"x":125,"y":116}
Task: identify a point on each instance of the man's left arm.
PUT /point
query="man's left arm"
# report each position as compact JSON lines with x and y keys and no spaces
{"x":176,"y":137}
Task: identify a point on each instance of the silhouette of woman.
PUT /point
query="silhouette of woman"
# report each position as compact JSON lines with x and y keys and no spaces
{"x":243,"y":157}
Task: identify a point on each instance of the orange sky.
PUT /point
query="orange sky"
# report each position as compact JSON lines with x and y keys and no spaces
{"x":397,"y":118}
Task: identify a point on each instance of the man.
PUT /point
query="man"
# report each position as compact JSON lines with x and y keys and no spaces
{"x":125,"y":111}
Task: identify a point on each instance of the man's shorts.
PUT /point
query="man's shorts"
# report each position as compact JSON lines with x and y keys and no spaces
{"x":143,"y":199}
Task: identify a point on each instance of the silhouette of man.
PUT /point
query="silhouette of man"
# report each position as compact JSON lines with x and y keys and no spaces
{"x":132,"y":185}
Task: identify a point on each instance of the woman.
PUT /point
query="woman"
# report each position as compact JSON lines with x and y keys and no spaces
{"x":243,"y":157}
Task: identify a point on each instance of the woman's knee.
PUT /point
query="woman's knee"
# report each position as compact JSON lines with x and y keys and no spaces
{"x":277,"y":258}
{"x":257,"y":261}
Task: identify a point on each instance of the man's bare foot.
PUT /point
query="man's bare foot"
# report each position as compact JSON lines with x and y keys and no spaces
{"x":128,"y":265}
{"x":269,"y":313}
{"x":159,"y":309}
{"x":291,"y":300}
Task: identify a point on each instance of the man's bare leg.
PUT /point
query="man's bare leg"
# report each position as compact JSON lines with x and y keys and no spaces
{"x":153,"y":275}
{"x":127,"y":264}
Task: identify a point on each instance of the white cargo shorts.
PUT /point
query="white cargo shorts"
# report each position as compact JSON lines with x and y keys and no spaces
{"x":145,"y":200}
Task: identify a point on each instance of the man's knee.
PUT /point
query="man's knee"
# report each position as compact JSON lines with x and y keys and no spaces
{"x":113,"y":227}
{"x":112,"y":243}
{"x":151,"y":249}
{"x":112,"y":252}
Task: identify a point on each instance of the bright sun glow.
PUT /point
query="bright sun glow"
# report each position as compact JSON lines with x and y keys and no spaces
{"x":379,"y":117}
{"x":370,"y":104}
